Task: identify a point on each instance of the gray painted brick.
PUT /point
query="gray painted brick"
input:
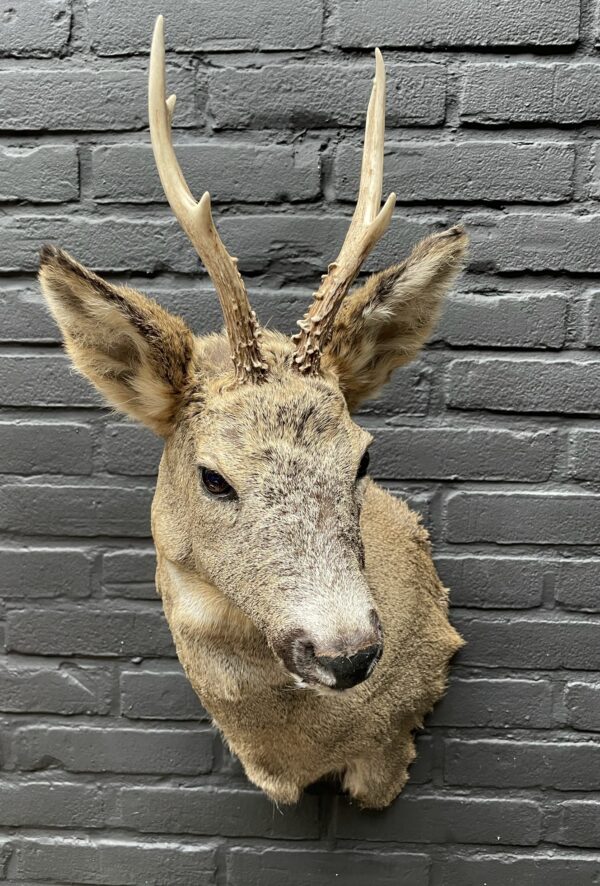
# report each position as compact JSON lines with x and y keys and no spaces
{"x":521,"y":517}
{"x":126,"y":244}
{"x":493,"y":582}
{"x":159,"y":695}
{"x":45,"y":448}
{"x":6,"y":852}
{"x":528,"y":320}
{"x":466,"y":171}
{"x":535,"y":242}
{"x":317,"y":96}
{"x":43,"y":379}
{"x":136,"y":587}
{"x":115,"y":862}
{"x":452,"y":453}
{"x":39,"y":175}
{"x":533,"y":870}
{"x":231,"y":812}
{"x":45,"y":572}
{"x":129,"y":566}
{"x":513,"y":384}
{"x":129,"y":573}
{"x":128,"y":29}
{"x":501,"y":703}
{"x":83,"y":99}
{"x":584,"y":455}
{"x":87,"y":511}
{"x":525,"y":92}
{"x":445,"y":819}
{"x":540,"y":642}
{"x":105,"y":244}
{"x":235,"y":173}
{"x":592,"y":332}
{"x":115,"y":749}
{"x":272,"y":867}
{"x":582,"y":701}
{"x":421,"y":770}
{"x":311,"y":242}
{"x":50,"y":803}
{"x":89,"y":632}
{"x":34,"y":27}
{"x":48,"y":688}
{"x":24,"y":316}
{"x":579,"y":824}
{"x":567,"y":766}
{"x":576,"y":585}
{"x":449,"y":23}
{"x":594,"y":187}
{"x":131,"y":449}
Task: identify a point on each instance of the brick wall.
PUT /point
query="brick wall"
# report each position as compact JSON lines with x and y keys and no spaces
{"x":111,"y":773}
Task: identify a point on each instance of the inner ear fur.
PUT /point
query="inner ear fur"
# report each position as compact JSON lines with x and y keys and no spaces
{"x":137,"y":354}
{"x":385,"y":323}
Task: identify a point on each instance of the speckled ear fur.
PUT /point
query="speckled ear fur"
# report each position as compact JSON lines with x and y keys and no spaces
{"x":385,"y":323}
{"x":133,"y":351}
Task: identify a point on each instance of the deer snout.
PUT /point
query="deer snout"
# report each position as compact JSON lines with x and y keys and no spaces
{"x":349,"y":669}
{"x":337,"y":665}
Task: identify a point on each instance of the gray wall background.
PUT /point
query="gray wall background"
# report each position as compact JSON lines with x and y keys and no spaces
{"x":111,"y":772}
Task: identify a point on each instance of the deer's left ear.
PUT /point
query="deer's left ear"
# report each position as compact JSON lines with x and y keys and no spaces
{"x":137,"y":354}
{"x":385,"y":323}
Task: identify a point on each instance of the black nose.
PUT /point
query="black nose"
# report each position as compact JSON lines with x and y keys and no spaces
{"x":349,"y":670}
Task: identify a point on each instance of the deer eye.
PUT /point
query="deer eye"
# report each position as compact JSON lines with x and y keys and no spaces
{"x":215,"y":484}
{"x":363,"y":466}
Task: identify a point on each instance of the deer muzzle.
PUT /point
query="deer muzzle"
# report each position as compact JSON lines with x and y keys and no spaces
{"x":340,"y":664}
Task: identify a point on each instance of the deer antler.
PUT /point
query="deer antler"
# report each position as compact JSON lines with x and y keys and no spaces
{"x":196,"y":220}
{"x":368,"y":225}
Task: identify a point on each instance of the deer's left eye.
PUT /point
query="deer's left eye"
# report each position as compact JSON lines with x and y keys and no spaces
{"x":363,"y":466}
{"x":215,"y":484}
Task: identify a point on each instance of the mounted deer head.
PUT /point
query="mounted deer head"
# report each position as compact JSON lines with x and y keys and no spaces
{"x":257,"y":513}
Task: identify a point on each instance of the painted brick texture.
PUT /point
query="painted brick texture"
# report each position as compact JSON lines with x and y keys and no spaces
{"x":110,"y":770}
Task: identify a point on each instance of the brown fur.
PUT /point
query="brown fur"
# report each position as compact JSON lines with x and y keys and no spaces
{"x":304,"y":547}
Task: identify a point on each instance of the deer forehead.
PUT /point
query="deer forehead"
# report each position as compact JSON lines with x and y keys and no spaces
{"x":283,"y":425}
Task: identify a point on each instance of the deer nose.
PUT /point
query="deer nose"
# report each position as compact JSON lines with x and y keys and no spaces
{"x":349,"y":670}
{"x":338,"y":665}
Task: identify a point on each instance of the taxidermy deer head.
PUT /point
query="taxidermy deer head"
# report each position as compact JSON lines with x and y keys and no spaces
{"x":261,"y":517}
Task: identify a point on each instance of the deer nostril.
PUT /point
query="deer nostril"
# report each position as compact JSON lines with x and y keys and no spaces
{"x":349,"y":670}
{"x":296,"y":651}
{"x":303,"y":650}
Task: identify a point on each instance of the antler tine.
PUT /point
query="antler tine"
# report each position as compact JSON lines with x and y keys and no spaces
{"x":368,"y":225}
{"x":196,"y":220}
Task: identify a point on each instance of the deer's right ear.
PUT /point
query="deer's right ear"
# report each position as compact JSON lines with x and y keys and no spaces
{"x":136,"y":354}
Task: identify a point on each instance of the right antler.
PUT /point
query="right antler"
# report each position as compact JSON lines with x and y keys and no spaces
{"x":367,"y":226}
{"x":196,"y":220}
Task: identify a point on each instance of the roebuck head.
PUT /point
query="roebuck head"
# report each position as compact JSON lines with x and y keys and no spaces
{"x":263,"y":473}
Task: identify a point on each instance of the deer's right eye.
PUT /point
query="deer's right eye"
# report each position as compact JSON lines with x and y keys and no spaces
{"x":215,"y":484}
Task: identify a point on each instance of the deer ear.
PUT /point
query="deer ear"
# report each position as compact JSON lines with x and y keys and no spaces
{"x":136,"y":354}
{"x":385,"y":323}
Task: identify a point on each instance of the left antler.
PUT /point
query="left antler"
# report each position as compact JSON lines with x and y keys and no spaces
{"x":196,"y":220}
{"x":368,"y":225}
